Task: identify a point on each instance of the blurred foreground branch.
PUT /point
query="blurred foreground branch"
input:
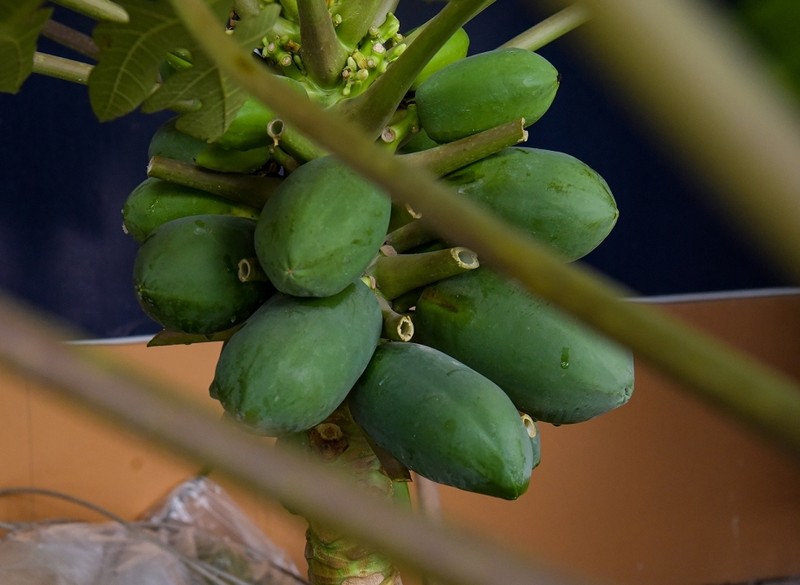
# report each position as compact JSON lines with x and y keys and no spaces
{"x":35,"y":348}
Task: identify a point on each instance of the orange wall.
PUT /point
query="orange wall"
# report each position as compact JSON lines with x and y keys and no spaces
{"x":662,"y":491}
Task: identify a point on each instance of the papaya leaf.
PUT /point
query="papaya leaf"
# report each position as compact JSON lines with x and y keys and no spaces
{"x":204,"y":82}
{"x":131,"y":54}
{"x":20,"y":24}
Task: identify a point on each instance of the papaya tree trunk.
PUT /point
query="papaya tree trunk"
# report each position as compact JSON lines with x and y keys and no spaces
{"x":335,"y":558}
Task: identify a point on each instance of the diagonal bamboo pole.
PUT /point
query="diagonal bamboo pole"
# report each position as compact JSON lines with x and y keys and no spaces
{"x":696,"y":81}
{"x":757,"y":395}
{"x":36,"y":348}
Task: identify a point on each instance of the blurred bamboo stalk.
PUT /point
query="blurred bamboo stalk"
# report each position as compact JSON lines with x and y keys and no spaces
{"x":764,"y":399}
{"x":699,"y":83}
{"x":33,"y":346}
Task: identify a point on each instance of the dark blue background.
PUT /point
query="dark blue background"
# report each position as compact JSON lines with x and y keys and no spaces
{"x":66,"y":177}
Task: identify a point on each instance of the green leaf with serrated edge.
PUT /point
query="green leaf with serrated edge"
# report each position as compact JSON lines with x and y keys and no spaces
{"x":20,"y":24}
{"x":130,"y":54}
{"x":219,"y":98}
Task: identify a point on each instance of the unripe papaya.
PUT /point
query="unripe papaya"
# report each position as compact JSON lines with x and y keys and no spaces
{"x":321,"y":228}
{"x":454,"y":49}
{"x":230,"y":160}
{"x":484,"y":91}
{"x":186,"y":274}
{"x":552,"y":196}
{"x":295,"y":359}
{"x":443,"y":420}
{"x":552,"y":366}
{"x":169,"y":142}
{"x":248,"y":129}
{"x":154,"y":202}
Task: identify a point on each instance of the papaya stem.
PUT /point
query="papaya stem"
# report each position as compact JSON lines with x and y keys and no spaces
{"x":103,"y":10}
{"x":396,"y":274}
{"x":251,"y":190}
{"x":446,"y":158}
{"x":373,"y":108}
{"x":355,"y":19}
{"x":410,"y":235}
{"x":550,"y":29}
{"x":61,"y":68}
{"x":396,"y":326}
{"x":323,"y":54}
{"x":333,"y":557}
{"x":293,"y":142}
{"x":250,"y":271}
{"x":70,"y":38}
{"x":403,"y":124}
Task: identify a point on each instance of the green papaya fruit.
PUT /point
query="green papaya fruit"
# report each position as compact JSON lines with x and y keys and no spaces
{"x":552,"y":366}
{"x":230,"y":160}
{"x":295,"y":359}
{"x":552,"y":196}
{"x":484,"y":91}
{"x":248,"y":129}
{"x":154,"y":202}
{"x":321,"y":228}
{"x":169,"y":142}
{"x":454,"y":49}
{"x":444,"y":420}
{"x":186,"y":274}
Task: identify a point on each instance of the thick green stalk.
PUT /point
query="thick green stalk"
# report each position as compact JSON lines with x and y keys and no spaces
{"x":373,"y":108}
{"x":410,"y":235}
{"x":396,"y":274}
{"x":732,"y":381}
{"x":446,"y":158}
{"x":251,"y":190}
{"x":71,"y":38}
{"x":334,"y":558}
{"x":103,"y":10}
{"x":550,"y":29}
{"x":355,"y":18}
{"x":323,"y":54}
{"x":61,"y":68}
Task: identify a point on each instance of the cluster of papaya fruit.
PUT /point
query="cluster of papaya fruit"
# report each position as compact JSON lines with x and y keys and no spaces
{"x":325,"y":293}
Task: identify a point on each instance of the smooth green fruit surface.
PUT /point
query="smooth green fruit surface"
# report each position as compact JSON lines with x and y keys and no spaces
{"x":321,"y":228}
{"x":154,"y":202}
{"x":170,"y":142}
{"x":294,"y":361}
{"x":228,"y":160}
{"x":443,"y":420}
{"x":552,"y":366}
{"x":552,"y":196}
{"x":484,"y":91}
{"x":186,"y":274}
{"x":454,"y":49}
{"x":248,"y":129}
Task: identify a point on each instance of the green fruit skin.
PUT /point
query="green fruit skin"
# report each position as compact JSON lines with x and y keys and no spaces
{"x":248,"y":129}
{"x":295,"y":359}
{"x":552,"y":367}
{"x":186,"y":274}
{"x":484,"y":91}
{"x":229,"y":160}
{"x":321,"y":228}
{"x":169,"y":142}
{"x":443,"y":420}
{"x":154,"y":202}
{"x":552,"y":196}
{"x":456,"y":48}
